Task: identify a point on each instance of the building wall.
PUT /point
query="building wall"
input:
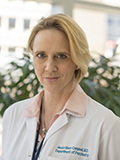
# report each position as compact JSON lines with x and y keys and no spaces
{"x":94,"y":23}
{"x":17,"y":37}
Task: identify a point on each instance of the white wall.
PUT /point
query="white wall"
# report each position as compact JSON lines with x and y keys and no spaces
{"x":95,"y":26}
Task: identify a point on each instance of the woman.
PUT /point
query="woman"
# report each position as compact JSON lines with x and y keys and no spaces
{"x":61,"y":122}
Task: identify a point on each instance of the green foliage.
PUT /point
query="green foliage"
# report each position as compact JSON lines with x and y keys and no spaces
{"x":103,"y":83}
{"x":18,"y":81}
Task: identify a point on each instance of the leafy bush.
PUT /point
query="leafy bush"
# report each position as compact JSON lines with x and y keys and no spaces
{"x":103,"y":83}
{"x":19,"y":82}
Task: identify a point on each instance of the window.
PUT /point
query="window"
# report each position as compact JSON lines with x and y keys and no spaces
{"x":11,"y":23}
{"x":11,"y":49}
{"x":110,"y":21}
{"x":26,"y":24}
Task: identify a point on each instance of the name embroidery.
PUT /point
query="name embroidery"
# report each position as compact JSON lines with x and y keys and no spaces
{"x":84,"y":152}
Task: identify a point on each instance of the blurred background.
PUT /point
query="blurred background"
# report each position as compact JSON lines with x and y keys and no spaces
{"x":100,"y":19}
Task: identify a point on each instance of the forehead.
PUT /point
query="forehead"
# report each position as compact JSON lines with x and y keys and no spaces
{"x":52,"y":32}
{"x":50,"y":38}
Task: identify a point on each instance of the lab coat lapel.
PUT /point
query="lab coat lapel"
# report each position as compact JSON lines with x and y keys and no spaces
{"x":61,"y":121}
{"x":31,"y":132}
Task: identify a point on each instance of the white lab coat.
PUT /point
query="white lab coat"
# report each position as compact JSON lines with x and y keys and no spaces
{"x":93,"y":137}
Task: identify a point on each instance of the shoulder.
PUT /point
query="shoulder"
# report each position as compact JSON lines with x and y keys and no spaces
{"x":98,"y":109}
{"x":16,"y":109}
{"x":102,"y":116}
{"x":12,"y":118}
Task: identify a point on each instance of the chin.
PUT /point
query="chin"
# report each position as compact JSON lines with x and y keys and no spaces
{"x":52,"y":89}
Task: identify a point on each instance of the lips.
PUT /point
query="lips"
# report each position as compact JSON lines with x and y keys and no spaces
{"x":51,"y":79}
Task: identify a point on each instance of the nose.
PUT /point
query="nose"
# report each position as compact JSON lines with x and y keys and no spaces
{"x":50,"y":65}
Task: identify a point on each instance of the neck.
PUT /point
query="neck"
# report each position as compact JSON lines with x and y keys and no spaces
{"x":54,"y":102}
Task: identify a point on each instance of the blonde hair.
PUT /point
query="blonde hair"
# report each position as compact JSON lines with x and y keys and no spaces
{"x":79,"y":49}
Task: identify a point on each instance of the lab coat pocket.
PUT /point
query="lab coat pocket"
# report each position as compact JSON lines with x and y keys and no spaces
{"x":53,"y":158}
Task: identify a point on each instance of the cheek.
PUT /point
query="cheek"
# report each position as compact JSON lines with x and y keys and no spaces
{"x":69,"y":71}
{"x":37,"y":65}
{"x":37,"y":69}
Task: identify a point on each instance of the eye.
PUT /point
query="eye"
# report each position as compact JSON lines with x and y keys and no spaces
{"x":61,"y":56}
{"x":41,"y":55}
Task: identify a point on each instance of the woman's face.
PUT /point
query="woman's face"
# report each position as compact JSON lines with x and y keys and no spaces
{"x":53,"y":64}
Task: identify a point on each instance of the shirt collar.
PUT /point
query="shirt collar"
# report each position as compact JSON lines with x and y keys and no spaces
{"x":75,"y":105}
{"x":77,"y":102}
{"x":33,"y":107}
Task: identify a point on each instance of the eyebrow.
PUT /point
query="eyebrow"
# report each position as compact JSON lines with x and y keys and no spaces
{"x":63,"y":53}
{"x":56,"y":52}
{"x":39,"y":52}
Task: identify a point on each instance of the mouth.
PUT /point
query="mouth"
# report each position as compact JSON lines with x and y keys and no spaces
{"x":51,"y":79}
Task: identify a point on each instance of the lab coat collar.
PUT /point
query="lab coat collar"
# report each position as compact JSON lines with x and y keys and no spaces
{"x":31,"y":125}
{"x":58,"y":124}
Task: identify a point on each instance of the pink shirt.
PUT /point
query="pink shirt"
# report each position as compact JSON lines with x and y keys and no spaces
{"x":72,"y":105}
